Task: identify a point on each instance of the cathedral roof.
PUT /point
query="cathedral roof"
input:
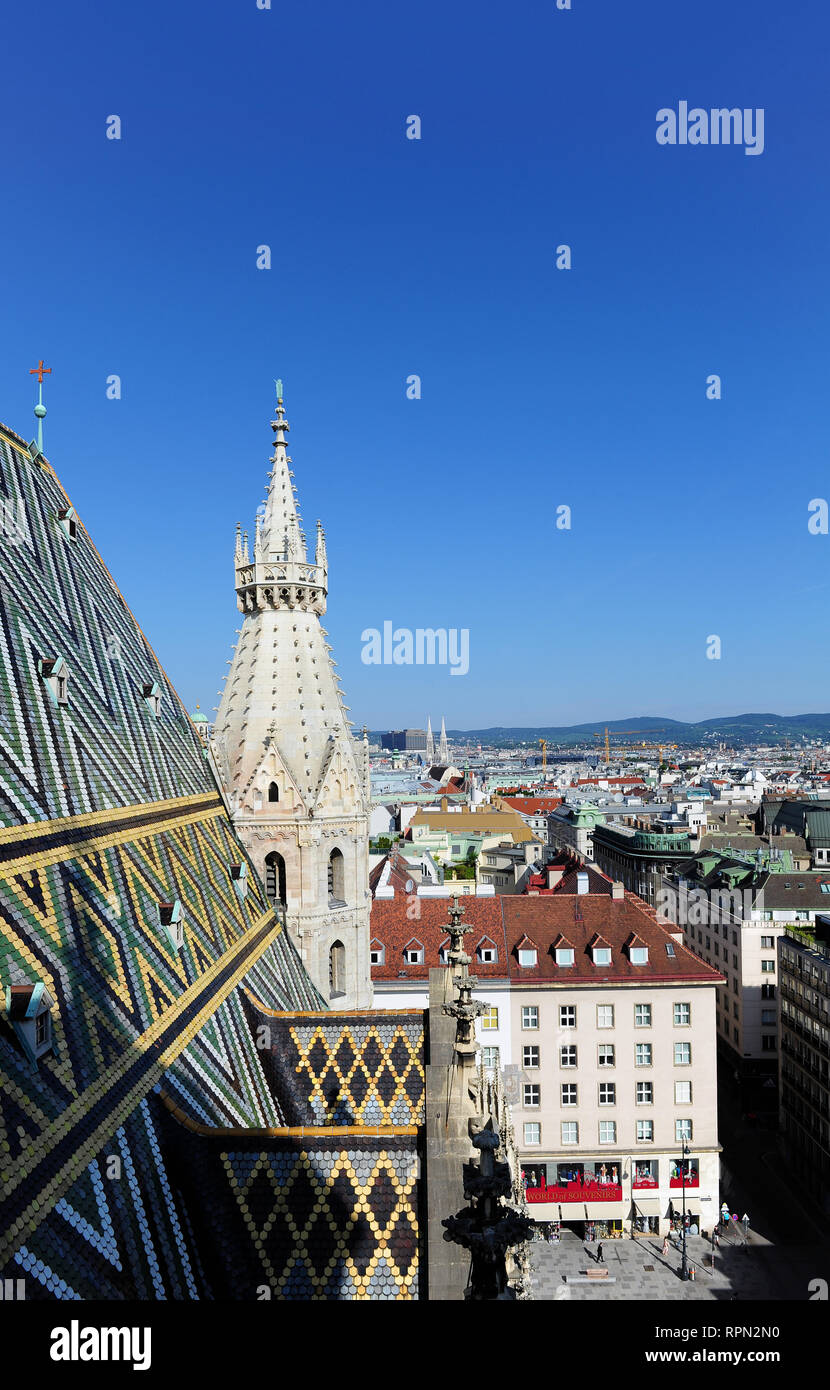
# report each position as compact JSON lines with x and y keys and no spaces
{"x":118,"y":904}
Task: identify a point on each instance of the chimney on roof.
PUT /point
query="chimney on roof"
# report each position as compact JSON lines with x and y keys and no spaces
{"x":555,"y":874}
{"x":582,"y":883}
{"x":617,"y":891}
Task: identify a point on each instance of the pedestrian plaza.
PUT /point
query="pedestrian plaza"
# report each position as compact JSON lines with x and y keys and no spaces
{"x":757,"y":1271}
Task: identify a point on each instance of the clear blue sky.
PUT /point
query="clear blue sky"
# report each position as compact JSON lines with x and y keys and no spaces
{"x":540,"y":387}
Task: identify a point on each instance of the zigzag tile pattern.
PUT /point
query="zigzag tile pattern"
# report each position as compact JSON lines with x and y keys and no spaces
{"x":105,"y":748}
{"x":320,"y":1218}
{"x":360,"y":1068}
{"x":147,"y":1155}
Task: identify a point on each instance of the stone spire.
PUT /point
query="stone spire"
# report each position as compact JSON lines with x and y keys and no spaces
{"x":430,"y":744}
{"x":443,"y":753}
{"x":296,"y":778}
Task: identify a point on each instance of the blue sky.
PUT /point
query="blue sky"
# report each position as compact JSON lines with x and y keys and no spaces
{"x":540,"y":387}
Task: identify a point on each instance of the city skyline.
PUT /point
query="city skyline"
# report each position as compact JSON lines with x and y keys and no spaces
{"x":541,"y":387}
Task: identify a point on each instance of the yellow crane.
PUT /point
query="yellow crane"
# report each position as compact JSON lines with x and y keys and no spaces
{"x":543,"y":744}
{"x":658,"y":730}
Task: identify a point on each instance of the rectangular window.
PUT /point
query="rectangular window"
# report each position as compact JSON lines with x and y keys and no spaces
{"x":767,"y":967}
{"x":567,"y":1015}
{"x":682,"y":1015}
{"x":605,"y":1015}
{"x":682,"y":1130}
{"x":768,"y":1016}
{"x":642,"y":1054}
{"x":645,"y":1093}
{"x":638,"y":955}
{"x":490,"y":1058}
{"x":642,"y":1015}
{"x":645,"y":1131}
{"x":490,"y":1017}
{"x":682,"y":1054}
{"x":607,"y":1093}
{"x":530,"y":1016}
{"x":570,"y":1132}
{"x":767,"y":943}
{"x":682,"y":1092}
{"x":533,"y":1133}
{"x":602,"y":955}
{"x":608,"y":1131}
{"x":530,"y":1056}
{"x":567,"y":1056}
{"x":606,"y":1054}
{"x":767,"y":991}
{"x":564,"y":955}
{"x":568,"y":1094}
{"x":768,"y":1042}
{"x":531,"y":1096}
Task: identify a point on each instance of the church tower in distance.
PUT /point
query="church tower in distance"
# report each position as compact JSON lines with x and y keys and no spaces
{"x":297,"y":781}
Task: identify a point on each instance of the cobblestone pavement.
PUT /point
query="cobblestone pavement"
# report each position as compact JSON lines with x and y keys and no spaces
{"x":758,"y":1272}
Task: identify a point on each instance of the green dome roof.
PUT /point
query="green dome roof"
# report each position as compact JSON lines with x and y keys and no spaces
{"x":199,"y":718}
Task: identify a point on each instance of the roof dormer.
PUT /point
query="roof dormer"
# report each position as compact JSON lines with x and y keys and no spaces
{"x":53,"y":672}
{"x":487,"y":951}
{"x":170,"y":918}
{"x":600,"y":949}
{"x":29,"y":1011}
{"x":413,"y":952}
{"x":563,"y":951}
{"x":68,"y":522}
{"x":239,"y":878}
{"x":528,"y":953}
{"x":151,"y":693}
{"x":377,"y":952}
{"x":637,"y":950}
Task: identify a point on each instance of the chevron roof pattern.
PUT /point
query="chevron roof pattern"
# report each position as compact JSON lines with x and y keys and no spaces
{"x":118,"y":895}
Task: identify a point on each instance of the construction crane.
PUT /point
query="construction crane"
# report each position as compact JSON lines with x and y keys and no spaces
{"x":657,"y":730}
{"x":543,"y":744}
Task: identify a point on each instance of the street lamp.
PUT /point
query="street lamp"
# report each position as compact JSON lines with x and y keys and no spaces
{"x":684,"y":1265}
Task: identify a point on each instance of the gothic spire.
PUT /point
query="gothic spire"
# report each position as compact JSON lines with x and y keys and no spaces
{"x":281,"y":535}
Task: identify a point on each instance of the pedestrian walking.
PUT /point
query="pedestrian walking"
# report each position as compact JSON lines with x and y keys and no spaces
{"x":600,"y":1260}
{"x":665,"y":1245}
{"x":715,"y":1239}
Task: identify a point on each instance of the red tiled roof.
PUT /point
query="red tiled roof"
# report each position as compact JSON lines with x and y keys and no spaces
{"x":616,"y":920}
{"x":532,"y":805}
{"x":391,"y":926}
{"x":507,"y":921}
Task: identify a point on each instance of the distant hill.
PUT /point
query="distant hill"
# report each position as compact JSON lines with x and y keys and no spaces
{"x":735,"y":729}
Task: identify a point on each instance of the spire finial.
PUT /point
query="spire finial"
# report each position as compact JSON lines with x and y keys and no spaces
{"x":40,"y":409}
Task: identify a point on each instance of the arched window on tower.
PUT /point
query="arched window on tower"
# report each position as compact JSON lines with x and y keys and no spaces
{"x":337,"y":969}
{"x":273,"y":792}
{"x":337,"y":877}
{"x":275,"y":878}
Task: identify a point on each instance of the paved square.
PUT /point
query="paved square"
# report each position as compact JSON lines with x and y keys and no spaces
{"x":758,"y":1272}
